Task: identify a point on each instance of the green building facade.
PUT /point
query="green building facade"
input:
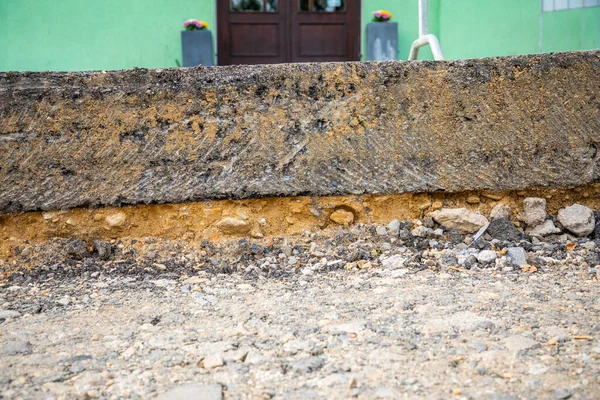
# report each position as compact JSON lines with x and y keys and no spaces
{"x":72,"y":35}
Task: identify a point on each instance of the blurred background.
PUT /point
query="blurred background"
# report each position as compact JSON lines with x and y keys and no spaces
{"x":73,"y":35}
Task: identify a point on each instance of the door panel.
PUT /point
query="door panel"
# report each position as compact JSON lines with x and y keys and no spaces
{"x":325,"y":30}
{"x":277,"y":31}
{"x":244,"y":38}
{"x":251,"y":31}
{"x":312,"y":43}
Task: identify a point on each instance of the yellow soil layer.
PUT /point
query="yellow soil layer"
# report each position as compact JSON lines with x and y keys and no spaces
{"x":262,"y":217}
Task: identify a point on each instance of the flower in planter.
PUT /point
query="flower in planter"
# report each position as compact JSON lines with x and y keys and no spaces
{"x":382,"y":16}
{"x":195,"y":25}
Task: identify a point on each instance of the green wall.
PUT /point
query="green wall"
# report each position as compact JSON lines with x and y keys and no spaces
{"x":481,"y":28}
{"x":69,"y":35}
{"x":42,"y":35}
{"x":406,"y":14}
{"x":572,"y":29}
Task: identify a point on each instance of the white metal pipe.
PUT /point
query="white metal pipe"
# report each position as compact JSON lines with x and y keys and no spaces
{"x":423,"y":17}
{"x":425,"y":38}
{"x":430,"y":40}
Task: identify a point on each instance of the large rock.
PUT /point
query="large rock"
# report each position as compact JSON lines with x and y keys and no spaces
{"x":87,"y":139}
{"x":577,"y":219}
{"x":461,"y":219}
{"x":534,"y":211}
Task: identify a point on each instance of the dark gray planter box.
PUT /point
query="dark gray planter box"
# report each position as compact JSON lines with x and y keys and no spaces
{"x":197,"y":48}
{"x":382,"y":41}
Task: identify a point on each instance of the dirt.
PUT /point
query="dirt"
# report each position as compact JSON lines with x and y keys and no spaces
{"x":268,"y":217}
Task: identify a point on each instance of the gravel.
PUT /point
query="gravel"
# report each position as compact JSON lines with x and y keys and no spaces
{"x":340,"y":314}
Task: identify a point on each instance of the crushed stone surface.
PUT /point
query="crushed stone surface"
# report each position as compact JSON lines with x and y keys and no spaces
{"x":356,"y":314}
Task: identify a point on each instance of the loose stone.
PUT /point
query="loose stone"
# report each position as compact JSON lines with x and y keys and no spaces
{"x":232,"y":226}
{"x":577,"y":219}
{"x":116,"y":220}
{"x":4,"y":314}
{"x":64,"y":301}
{"x":394,"y":262}
{"x":545,"y":229}
{"x":362,"y":264}
{"x":500,"y":211}
{"x":589,"y":245}
{"x":469,"y":262}
{"x":17,"y":347}
{"x":487,"y":256}
{"x":502,"y":229}
{"x":213,"y":361}
{"x":519,"y":343}
{"x":561,"y":394}
{"x":342,"y":217}
{"x":77,"y":249}
{"x":473,"y":199}
{"x":160,"y":267}
{"x":394,"y":227}
{"x":245,"y":286}
{"x":256,"y":233}
{"x":104,"y":249}
{"x":534,"y":211}
{"x":421,"y":231}
{"x":517,"y":256}
{"x":188,"y":392}
{"x":460,"y":219}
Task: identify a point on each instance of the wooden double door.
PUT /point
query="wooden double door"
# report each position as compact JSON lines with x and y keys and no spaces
{"x":280,"y":31}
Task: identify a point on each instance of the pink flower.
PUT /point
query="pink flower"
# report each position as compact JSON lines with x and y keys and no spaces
{"x":385,"y":16}
{"x":189,"y":22}
{"x":377,"y":14}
